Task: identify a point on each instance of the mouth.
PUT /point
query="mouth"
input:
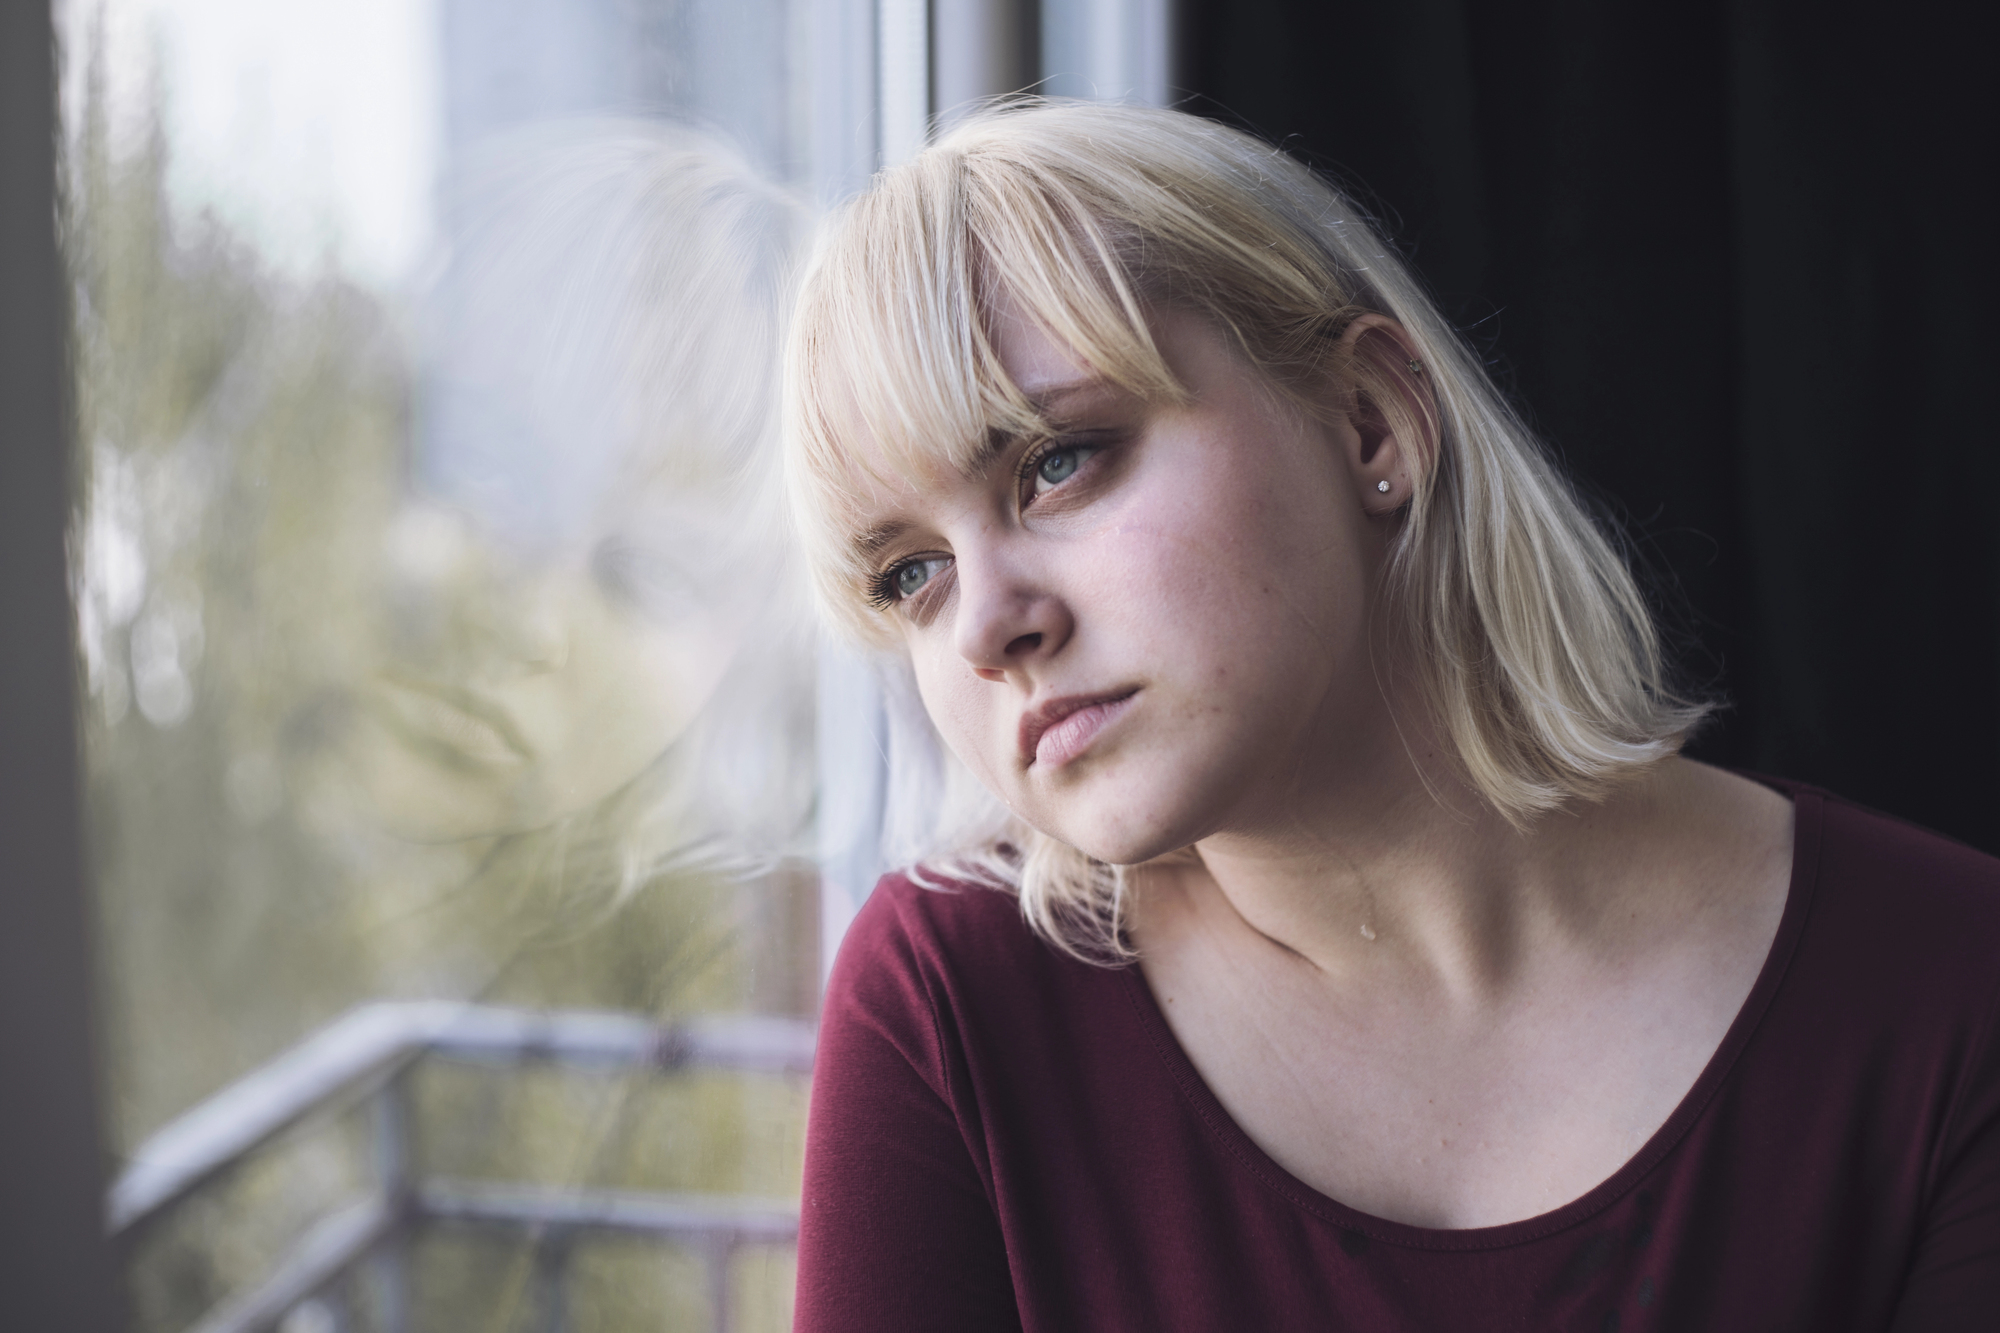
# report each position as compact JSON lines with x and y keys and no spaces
{"x":452,"y":725}
{"x":1064,"y":728}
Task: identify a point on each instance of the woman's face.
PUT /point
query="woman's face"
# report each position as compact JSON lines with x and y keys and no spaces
{"x":1155,"y":627}
{"x":523,"y":691}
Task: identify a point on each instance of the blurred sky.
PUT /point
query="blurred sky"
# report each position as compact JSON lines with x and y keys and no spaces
{"x":310,"y":126}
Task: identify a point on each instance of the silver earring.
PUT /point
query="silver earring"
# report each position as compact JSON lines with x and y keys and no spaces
{"x":1382,"y":486}
{"x":1416,"y":367}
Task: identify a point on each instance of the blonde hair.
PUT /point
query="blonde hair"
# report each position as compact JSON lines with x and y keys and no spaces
{"x":1535,"y":651}
{"x":611,"y":322}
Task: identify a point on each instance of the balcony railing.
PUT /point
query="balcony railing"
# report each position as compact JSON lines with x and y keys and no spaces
{"x":367,"y":1057}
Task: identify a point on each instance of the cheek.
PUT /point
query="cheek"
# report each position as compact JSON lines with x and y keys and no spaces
{"x":961,"y":708}
{"x":675,"y":671}
{"x":636,"y":678}
{"x":1217,"y":582}
{"x":1247,"y":606}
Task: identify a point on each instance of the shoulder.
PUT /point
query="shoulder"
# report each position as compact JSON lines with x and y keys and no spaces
{"x":925,"y":923}
{"x":1893,"y":901}
{"x":1894,"y":860}
{"x":1909,"y":930}
{"x":935,"y":944}
{"x":946,"y":975}
{"x":930,"y":912}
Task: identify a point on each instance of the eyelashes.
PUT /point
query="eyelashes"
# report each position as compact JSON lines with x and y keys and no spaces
{"x":1044,"y":464}
{"x":1050,"y":465}
{"x":894,"y":586}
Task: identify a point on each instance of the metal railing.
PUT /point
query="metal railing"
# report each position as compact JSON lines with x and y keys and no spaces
{"x":366,"y":1056}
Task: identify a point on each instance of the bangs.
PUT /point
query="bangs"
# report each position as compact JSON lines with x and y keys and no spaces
{"x":894,"y":374}
{"x":1531,"y":646}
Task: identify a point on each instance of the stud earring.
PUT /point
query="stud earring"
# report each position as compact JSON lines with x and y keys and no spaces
{"x":1382,"y":486}
{"x":1416,"y":367}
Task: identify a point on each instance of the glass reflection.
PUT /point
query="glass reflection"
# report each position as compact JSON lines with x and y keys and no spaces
{"x":442,"y":642}
{"x":594,"y":545}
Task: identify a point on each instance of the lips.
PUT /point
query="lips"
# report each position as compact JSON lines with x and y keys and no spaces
{"x":452,"y":725}
{"x":1061,"y":729}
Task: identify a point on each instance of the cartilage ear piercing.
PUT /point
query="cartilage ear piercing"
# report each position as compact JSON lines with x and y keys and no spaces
{"x":1382,"y":486}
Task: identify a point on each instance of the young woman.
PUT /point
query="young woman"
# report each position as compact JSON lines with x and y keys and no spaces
{"x":1366,"y":958}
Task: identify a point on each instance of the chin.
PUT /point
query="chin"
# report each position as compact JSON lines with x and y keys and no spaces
{"x":1119,"y":837}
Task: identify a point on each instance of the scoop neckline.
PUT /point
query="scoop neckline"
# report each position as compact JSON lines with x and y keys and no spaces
{"x":1808,"y":806}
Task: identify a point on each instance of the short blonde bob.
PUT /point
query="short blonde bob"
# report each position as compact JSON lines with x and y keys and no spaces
{"x":1534,"y":648}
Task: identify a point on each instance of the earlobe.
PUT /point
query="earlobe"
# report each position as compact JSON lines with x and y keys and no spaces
{"x":1387,"y":495}
{"x":1391,"y":406}
{"x":1381,"y":475}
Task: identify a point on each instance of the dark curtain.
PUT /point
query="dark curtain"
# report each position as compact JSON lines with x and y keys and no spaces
{"x":1738,"y":262}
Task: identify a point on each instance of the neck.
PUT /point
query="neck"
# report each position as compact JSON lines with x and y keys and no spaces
{"x":1406,"y":871}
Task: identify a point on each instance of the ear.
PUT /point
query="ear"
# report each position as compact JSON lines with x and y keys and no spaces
{"x":1389,"y":407}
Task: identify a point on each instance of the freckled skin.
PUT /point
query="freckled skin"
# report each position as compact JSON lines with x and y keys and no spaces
{"x":1411,"y":1005}
{"x":1220,"y":558}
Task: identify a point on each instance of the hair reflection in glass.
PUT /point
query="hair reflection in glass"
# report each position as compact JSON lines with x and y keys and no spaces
{"x":1150,"y":247}
{"x":592,"y":637}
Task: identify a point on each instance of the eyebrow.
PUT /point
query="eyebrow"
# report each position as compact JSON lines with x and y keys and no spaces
{"x":1047,"y":398}
{"x":1048,"y":403}
{"x":882,"y":535}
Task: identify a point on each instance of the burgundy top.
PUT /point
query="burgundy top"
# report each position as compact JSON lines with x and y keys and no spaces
{"x":1003,"y":1138}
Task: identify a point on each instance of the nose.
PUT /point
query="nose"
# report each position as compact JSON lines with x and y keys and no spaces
{"x":1008,"y":618}
{"x":541,"y":637}
{"x":540,"y":632}
{"x":517,"y":628}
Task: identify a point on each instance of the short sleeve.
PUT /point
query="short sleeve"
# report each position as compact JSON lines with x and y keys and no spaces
{"x":1954,"y":1278}
{"x":896,"y":1228}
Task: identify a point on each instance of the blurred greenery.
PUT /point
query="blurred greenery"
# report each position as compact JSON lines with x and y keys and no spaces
{"x":241,"y":451}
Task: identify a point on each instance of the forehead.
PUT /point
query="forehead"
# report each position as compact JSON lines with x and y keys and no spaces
{"x":1039,"y":363}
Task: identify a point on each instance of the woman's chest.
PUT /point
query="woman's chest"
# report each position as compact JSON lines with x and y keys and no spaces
{"x":1129,"y":1198}
{"x":1442,"y":1116}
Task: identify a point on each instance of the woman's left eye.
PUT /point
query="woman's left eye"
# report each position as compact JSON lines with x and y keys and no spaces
{"x":1059,"y":465}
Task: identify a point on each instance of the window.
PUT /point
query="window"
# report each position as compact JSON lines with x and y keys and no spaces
{"x":461,"y":765}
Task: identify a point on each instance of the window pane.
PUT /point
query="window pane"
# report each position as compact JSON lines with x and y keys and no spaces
{"x":439,"y":644}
